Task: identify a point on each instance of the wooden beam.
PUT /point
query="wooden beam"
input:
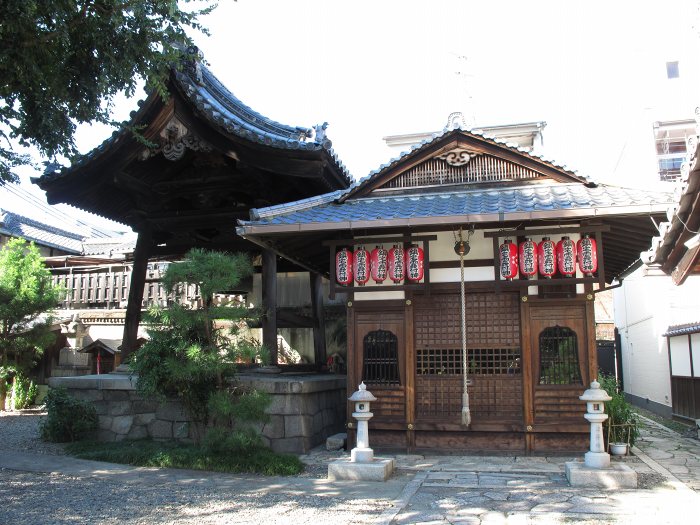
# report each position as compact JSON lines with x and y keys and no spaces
{"x":269,"y":299}
{"x":138,"y":281}
{"x":550,"y":231}
{"x":319,"y":322}
{"x":685,"y":266}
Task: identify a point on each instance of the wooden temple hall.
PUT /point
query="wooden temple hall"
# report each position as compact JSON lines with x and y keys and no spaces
{"x":210,"y":160}
{"x":468,"y":267}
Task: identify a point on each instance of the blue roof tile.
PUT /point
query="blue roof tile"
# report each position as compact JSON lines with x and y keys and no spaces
{"x":507,"y":200}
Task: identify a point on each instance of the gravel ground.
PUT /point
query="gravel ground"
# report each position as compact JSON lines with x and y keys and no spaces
{"x":50,"y":498}
{"x":20,"y":431}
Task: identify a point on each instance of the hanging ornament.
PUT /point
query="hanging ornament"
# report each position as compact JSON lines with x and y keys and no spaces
{"x":414,"y":264}
{"x":566,"y":257}
{"x":587,"y":255}
{"x":528,"y":258}
{"x":546,"y":255}
{"x":343,"y":267}
{"x":360,"y":263}
{"x":397,"y":265}
{"x":379,"y":264}
{"x":509,"y":260}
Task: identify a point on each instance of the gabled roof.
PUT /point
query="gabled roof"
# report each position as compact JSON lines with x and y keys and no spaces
{"x":459,"y":139}
{"x":460,"y":178}
{"x":15,"y":225}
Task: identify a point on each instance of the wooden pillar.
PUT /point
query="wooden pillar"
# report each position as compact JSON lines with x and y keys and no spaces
{"x":138,"y":281}
{"x":269,"y":299}
{"x":316,"y":288}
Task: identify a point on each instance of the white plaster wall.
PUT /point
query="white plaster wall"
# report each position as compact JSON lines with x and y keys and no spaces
{"x":645,"y":306}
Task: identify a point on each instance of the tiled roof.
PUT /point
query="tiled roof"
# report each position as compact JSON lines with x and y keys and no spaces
{"x":683,"y":329}
{"x":16,"y":225}
{"x":221,"y":107}
{"x":109,"y":246}
{"x":496,"y":203}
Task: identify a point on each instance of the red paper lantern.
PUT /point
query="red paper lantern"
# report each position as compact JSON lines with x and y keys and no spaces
{"x":379,"y":264}
{"x":547,"y":258}
{"x":343,"y":267}
{"x":414,"y":264}
{"x":360,"y":263}
{"x":528,"y":258}
{"x":566,"y":257}
{"x":397,"y":264}
{"x":587,"y":255}
{"x":509,"y":260}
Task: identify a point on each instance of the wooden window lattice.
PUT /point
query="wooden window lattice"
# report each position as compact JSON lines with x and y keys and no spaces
{"x":483,"y":361}
{"x":559,"y":357}
{"x":380,"y":364}
{"x":482,"y":168}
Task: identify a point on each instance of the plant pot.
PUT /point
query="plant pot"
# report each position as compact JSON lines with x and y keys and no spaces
{"x":618,"y":449}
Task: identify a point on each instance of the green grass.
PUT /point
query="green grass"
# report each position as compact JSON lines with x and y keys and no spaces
{"x":146,"y":453}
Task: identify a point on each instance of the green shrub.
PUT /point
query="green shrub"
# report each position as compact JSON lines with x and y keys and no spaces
{"x":69,"y":419}
{"x":622,"y":420}
{"x":23,"y":392}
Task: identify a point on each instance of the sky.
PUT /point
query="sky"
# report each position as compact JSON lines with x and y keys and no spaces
{"x":593,"y":70}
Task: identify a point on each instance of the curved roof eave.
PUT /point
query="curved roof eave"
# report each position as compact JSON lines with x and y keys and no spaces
{"x":223,"y":109}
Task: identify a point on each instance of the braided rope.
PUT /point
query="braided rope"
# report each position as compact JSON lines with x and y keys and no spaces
{"x":466,"y":415}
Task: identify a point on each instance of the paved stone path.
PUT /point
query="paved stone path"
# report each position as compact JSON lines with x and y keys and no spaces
{"x":42,"y":488}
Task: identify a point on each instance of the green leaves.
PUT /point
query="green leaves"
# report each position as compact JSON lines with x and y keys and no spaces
{"x":26,"y":292}
{"x":62,"y":63}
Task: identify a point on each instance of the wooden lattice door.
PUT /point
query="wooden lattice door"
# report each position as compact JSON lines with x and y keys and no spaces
{"x":494,"y":359}
{"x":380,"y":362}
{"x":559,"y":342}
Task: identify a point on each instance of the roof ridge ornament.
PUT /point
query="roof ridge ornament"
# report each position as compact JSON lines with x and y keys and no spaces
{"x":455,"y":120}
{"x":192,"y":63}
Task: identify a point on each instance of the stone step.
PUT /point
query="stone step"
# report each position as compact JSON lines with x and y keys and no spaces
{"x":336,"y":441}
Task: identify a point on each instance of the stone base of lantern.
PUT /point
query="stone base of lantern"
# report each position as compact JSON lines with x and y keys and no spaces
{"x":377,"y":470}
{"x":616,"y":476}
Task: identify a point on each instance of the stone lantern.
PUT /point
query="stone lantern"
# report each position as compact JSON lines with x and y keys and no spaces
{"x":595,"y":399}
{"x":362,"y":465}
{"x":362,"y":398}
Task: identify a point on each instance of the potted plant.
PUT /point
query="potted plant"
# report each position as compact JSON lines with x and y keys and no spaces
{"x":622,"y":424}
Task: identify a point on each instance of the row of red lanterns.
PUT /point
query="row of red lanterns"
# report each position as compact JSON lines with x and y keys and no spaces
{"x":396,"y":264}
{"x":547,"y":258}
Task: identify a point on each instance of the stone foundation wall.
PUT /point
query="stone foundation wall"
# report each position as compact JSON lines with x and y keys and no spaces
{"x":304,"y":410}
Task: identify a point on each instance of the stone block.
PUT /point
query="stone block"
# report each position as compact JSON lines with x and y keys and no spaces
{"x":159,"y":429}
{"x":312,"y":404}
{"x":297,"y":426}
{"x":119,"y":408}
{"x":181,"y":430}
{"x":317,"y":423}
{"x":101,"y":407}
{"x":344,"y":469}
{"x":274,"y":429}
{"x":122,"y":424}
{"x":104,"y":422}
{"x":87,"y":395}
{"x":617,"y":476}
{"x":144,"y":419}
{"x":137,"y":432}
{"x":116,"y":395}
{"x":293,"y":445}
{"x":140,"y":406}
{"x":171,"y":411}
{"x":285,"y":404}
{"x":336,"y":441}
